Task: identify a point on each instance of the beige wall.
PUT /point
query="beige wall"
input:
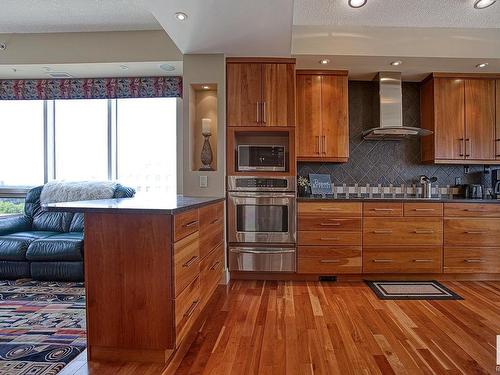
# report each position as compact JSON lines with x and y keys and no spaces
{"x":95,"y":47}
{"x":200,"y":69}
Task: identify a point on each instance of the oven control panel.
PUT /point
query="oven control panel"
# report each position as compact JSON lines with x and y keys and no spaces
{"x":261,"y":183}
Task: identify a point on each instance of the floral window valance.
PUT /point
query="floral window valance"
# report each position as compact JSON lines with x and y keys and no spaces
{"x":93,"y":88}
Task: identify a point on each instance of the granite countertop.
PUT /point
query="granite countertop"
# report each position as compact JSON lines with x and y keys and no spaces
{"x":412,"y":199}
{"x":155,"y":204}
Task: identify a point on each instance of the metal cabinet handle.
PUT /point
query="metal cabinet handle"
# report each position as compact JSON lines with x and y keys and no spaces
{"x":423,"y":231}
{"x":215,"y":265}
{"x":474,"y":210}
{"x":475,"y":232}
{"x":214,"y":221}
{"x":462,"y":147}
{"x":382,"y":231}
{"x":330,"y":224}
{"x":258,"y":112}
{"x":423,"y":260}
{"x":190,"y":261}
{"x":264,"y":120}
{"x":190,"y":224}
{"x":328,"y":239}
{"x":324,"y":144}
{"x":318,"y":144}
{"x":383,"y":209}
{"x":479,"y":260}
{"x":329,"y":261}
{"x":423,"y":209}
{"x":467,"y":154}
{"x":382,"y":260}
{"x":191,"y":309}
{"x":330,"y":209}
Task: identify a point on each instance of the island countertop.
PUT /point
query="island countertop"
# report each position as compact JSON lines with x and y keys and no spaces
{"x":154,"y":204}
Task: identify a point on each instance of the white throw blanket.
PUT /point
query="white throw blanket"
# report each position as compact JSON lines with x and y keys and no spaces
{"x":61,"y":191}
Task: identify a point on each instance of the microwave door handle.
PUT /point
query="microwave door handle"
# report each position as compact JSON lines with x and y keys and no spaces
{"x":250,"y":251}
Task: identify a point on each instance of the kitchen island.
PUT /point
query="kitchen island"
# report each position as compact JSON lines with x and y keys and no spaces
{"x":151,"y":265}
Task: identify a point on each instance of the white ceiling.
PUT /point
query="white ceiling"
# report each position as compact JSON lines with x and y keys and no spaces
{"x":36,"y":16}
{"x":233,"y":27}
{"x":403,"y":13}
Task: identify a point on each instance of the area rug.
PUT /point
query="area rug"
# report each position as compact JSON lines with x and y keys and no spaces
{"x":416,"y":290}
{"x":42,"y":326}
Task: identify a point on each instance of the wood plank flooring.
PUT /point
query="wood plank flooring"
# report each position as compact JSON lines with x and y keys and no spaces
{"x":274,"y":327}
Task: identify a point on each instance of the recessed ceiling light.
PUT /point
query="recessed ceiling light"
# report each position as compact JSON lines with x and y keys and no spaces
{"x":47,"y":68}
{"x":205,"y":87}
{"x":324,"y":61}
{"x":357,"y":3}
{"x":396,"y":63}
{"x":167,"y":67}
{"x":482,"y":4}
{"x":181,"y":16}
{"x":482,"y":65}
{"x":3,"y":46}
{"x":14,"y":70}
{"x":123,"y":67}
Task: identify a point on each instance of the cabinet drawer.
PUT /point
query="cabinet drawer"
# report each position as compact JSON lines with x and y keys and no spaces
{"x":423,"y":209}
{"x":328,"y":238}
{"x":472,"y":260}
{"x":337,"y":209}
{"x":186,"y":310}
{"x":185,"y":223}
{"x":402,"y":260}
{"x":472,"y":209}
{"x":381,"y":209}
{"x":403,"y":231}
{"x":328,"y":223}
{"x":471,"y":232}
{"x":211,"y":273}
{"x":211,"y":228}
{"x":325,"y":260}
{"x":186,"y":261}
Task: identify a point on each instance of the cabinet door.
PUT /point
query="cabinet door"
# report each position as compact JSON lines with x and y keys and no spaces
{"x":335,"y":123}
{"x":480,"y":119}
{"x":497,"y":135}
{"x":278,"y":107}
{"x":244,"y":94}
{"x":449,"y":96}
{"x":308,"y":116}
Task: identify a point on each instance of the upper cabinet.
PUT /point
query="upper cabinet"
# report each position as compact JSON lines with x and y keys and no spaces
{"x":461,"y":113}
{"x":497,"y":136}
{"x":322,"y":116}
{"x":260,"y":92}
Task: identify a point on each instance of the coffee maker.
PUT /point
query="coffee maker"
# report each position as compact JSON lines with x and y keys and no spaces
{"x":495,"y":183}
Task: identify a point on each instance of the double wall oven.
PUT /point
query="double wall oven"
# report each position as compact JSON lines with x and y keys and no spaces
{"x":262,"y":224}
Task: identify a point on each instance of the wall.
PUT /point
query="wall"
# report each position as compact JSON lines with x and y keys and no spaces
{"x":386,"y":162}
{"x":94,"y":47}
{"x":198,"y":69}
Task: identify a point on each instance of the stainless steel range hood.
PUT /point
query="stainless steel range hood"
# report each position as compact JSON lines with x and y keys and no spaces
{"x":390,"y":102}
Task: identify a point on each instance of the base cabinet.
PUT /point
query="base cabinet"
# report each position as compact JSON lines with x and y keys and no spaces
{"x":472,"y":259}
{"x":416,"y":259}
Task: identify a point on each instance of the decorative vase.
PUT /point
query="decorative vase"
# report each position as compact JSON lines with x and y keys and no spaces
{"x":206,"y":154}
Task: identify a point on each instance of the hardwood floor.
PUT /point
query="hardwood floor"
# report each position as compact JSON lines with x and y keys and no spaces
{"x":257,"y":327}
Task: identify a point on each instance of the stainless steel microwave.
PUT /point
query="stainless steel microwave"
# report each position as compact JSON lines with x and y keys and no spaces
{"x":261,"y":158}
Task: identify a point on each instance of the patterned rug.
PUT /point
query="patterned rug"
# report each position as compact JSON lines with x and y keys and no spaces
{"x":42,"y":326}
{"x":407,"y":290}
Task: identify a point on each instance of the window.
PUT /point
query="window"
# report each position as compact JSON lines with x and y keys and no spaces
{"x":146,"y":144}
{"x":21,"y":143}
{"x":81,"y":139}
{"x":129,"y":140}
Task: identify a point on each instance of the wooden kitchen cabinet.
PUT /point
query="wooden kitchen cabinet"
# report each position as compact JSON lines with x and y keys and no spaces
{"x":322,"y":116}
{"x":460,"y":111}
{"x":497,"y":111}
{"x":260,"y":92}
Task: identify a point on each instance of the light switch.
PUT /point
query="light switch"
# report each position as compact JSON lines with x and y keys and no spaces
{"x":203,"y":181}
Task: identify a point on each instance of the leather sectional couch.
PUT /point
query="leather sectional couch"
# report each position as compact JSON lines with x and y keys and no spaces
{"x":44,"y":245}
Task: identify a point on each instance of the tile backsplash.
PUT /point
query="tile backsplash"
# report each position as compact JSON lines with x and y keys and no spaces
{"x":387,"y":162}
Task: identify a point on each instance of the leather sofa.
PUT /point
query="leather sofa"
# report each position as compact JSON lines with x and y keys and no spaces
{"x":44,"y":245}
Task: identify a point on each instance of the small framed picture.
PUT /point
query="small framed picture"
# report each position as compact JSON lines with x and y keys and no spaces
{"x":320,"y":184}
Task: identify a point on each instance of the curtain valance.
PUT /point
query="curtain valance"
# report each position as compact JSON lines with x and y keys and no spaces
{"x":92,"y":88}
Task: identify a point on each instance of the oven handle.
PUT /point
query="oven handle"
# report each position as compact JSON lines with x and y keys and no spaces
{"x":260,"y":195}
{"x":243,"y":250}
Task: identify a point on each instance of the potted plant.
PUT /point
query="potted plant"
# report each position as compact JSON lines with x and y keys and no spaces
{"x":303,"y":187}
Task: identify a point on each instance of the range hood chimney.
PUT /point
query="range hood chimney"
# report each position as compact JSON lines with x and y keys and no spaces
{"x":391,"y":111}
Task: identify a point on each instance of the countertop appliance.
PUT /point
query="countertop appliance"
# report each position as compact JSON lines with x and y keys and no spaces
{"x":262,"y":223}
{"x":474,"y":191}
{"x":426,"y":183}
{"x":495,"y":176}
{"x":261,"y":158}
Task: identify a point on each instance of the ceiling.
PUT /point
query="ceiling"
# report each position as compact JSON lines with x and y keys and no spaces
{"x":398,"y":13}
{"x":36,"y":16}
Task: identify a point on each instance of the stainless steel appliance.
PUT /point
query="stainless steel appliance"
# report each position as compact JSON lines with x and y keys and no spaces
{"x":426,"y":183}
{"x":262,"y":223}
{"x":261,"y":158}
{"x":496,"y":183}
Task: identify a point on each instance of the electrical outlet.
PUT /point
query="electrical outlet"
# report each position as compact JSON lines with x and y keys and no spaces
{"x":458,"y":181}
{"x":203,"y":181}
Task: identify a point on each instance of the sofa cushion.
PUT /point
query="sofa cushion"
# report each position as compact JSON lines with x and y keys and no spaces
{"x":60,"y":247}
{"x":14,"y":270}
{"x":52,"y":221}
{"x":14,"y":246}
{"x":57,"y":271}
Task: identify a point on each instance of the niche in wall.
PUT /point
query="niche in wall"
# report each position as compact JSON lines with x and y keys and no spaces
{"x":203,"y":105}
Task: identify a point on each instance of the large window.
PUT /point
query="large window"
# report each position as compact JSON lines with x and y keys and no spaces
{"x":129,"y":140}
{"x":21,"y":143}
